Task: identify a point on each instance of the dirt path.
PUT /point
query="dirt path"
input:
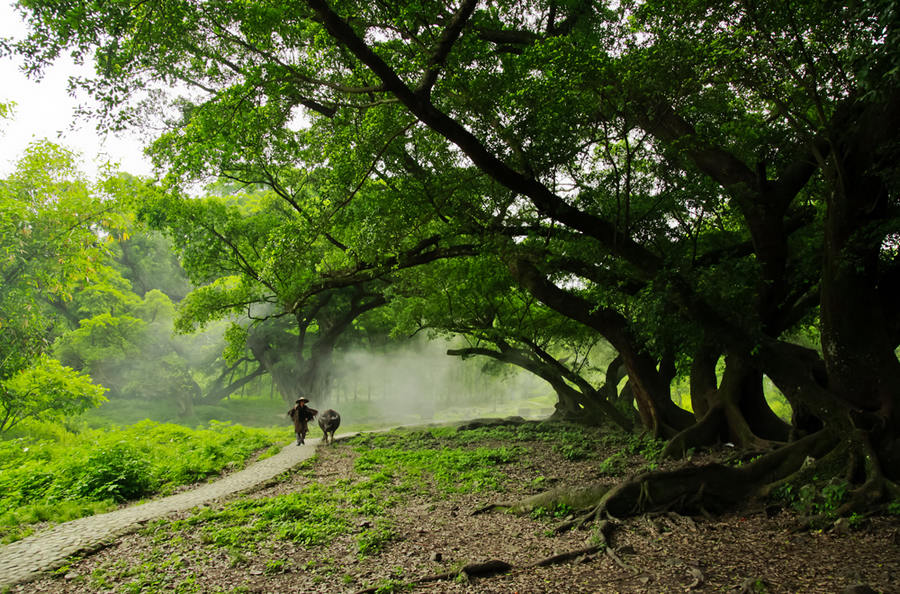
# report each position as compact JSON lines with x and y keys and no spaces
{"x":25,"y":559}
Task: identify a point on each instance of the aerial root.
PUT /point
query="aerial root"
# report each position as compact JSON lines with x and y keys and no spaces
{"x":643,"y":497}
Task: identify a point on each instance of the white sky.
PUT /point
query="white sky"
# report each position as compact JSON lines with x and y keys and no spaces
{"x":44,"y":110}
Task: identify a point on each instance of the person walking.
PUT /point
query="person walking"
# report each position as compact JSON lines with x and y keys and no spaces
{"x":301,"y":415}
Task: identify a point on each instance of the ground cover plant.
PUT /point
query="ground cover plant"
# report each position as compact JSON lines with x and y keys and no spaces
{"x":56,"y":480}
{"x":376,"y":514}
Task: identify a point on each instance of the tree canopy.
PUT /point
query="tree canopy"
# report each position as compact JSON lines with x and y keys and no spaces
{"x":688,"y":181}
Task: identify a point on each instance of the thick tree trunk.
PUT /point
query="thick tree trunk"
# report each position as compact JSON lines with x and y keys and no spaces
{"x":622,"y":400}
{"x":751,"y":423}
{"x":703,"y":379}
{"x":857,"y":341}
{"x":738,"y":413}
{"x":659,"y":415}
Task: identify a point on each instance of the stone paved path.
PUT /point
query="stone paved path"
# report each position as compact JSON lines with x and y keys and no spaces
{"x":25,"y":559}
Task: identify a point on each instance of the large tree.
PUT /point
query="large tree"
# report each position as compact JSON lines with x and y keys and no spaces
{"x":687,"y":180}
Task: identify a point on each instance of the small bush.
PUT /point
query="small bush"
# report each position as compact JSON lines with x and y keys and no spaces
{"x":119,"y":472}
{"x":613,"y":465}
{"x":813,"y":499}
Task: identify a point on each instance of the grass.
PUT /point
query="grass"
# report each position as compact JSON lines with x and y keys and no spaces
{"x":309,"y":517}
{"x":389,"y":469}
{"x":385,"y":475}
{"x":248,"y":411}
{"x":60,"y":476}
{"x":74,"y":475}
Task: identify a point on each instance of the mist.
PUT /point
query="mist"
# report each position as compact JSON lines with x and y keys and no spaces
{"x":417,"y":382}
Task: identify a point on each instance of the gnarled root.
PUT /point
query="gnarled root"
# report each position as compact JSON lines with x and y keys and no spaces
{"x":690,"y":489}
{"x":574,"y":498}
{"x":712,"y":487}
{"x":707,"y":431}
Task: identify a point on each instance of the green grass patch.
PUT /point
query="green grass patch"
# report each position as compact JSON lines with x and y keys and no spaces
{"x":309,"y":517}
{"x":319,"y":513}
{"x":447,"y":459}
{"x":89,"y":472}
{"x":248,"y":411}
{"x":454,"y":470}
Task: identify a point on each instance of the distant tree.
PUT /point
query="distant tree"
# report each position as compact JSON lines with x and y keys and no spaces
{"x":130,"y":348}
{"x":49,"y":249}
{"x":263,"y":256}
{"x":46,"y":391}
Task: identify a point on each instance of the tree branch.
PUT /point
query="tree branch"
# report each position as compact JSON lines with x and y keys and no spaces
{"x":445,"y":44}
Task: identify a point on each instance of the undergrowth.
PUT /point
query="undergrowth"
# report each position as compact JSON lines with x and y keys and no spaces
{"x":94,"y":470}
{"x":814,"y":499}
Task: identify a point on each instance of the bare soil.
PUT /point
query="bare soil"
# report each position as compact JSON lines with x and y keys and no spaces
{"x":753,"y":549}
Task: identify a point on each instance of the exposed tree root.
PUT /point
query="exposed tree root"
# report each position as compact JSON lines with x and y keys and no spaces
{"x":877,"y":487}
{"x":472,"y":570}
{"x":662,"y":496}
{"x":576,"y":498}
{"x":492,"y":422}
{"x":498,"y":567}
{"x":690,"y":489}
{"x":568,"y":556}
{"x":618,"y":561}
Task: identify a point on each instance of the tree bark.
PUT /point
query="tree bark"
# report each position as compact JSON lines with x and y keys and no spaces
{"x":857,"y":342}
{"x":703,"y":380}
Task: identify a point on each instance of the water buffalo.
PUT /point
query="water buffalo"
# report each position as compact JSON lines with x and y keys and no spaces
{"x":329,"y":421}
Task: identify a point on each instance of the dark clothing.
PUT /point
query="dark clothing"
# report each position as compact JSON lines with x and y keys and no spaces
{"x":301,"y":415}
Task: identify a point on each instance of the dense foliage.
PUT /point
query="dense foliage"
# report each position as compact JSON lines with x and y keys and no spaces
{"x":51,"y":219}
{"x":55,"y":481}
